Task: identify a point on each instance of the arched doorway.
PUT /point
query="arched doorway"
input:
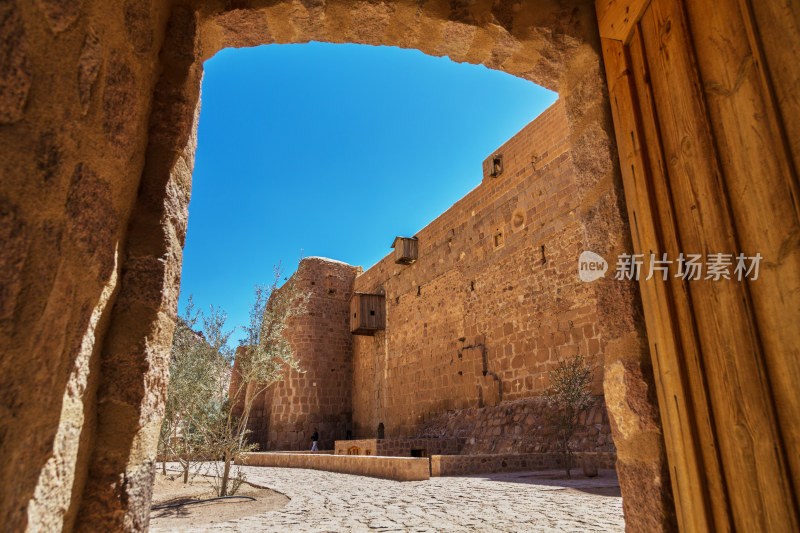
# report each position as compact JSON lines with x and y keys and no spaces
{"x":98,"y":149}
{"x":106,"y":236}
{"x":556,"y":48}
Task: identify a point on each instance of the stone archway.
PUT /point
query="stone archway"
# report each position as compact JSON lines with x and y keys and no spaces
{"x":112,"y":143}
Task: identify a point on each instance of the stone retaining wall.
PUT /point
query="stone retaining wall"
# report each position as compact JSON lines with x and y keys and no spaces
{"x":519,"y":427}
{"x":396,"y":468}
{"x":317,"y":452}
{"x":462,"y":465}
{"x":400,"y":447}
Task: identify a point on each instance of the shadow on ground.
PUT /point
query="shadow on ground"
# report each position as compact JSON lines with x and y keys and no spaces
{"x":170,"y":490}
{"x":604,"y":484}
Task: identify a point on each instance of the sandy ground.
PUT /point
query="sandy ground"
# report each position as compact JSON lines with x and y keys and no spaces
{"x":171,"y":489}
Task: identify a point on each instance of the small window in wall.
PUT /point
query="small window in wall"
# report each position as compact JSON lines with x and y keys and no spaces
{"x":331,"y":284}
{"x":422,"y":452}
{"x":493,"y":166}
{"x":498,"y":239}
{"x":353,"y":450}
{"x":381,"y":430}
{"x":368,"y":452}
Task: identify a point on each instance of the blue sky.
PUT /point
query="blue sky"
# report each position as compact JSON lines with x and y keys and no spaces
{"x":333,"y":149}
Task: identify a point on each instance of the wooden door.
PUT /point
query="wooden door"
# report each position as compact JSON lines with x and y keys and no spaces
{"x":704,"y":96}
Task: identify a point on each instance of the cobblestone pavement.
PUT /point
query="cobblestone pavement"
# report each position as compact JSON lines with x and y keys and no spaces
{"x":526,"y":501}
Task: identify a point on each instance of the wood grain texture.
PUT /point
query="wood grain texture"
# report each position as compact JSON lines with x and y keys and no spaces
{"x":367,"y":313}
{"x":758,"y":176}
{"x":740,"y":394}
{"x":673,"y":297}
{"x":677,"y":415}
{"x":705,"y":152}
{"x":773,"y":30}
{"x":617,"y":18}
{"x":405,"y":250}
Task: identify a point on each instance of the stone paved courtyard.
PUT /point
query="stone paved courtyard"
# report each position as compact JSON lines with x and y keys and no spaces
{"x":526,"y":501}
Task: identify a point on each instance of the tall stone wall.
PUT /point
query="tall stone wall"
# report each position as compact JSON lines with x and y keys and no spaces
{"x":492,"y":303}
{"x":493,"y":300}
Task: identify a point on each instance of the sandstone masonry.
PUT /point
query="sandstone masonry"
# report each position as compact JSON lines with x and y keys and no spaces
{"x":318,"y":397}
{"x":473,"y":325}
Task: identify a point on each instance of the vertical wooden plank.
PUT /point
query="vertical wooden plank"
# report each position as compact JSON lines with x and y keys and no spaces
{"x":372,"y":307}
{"x":677,"y":415}
{"x":364,"y":318}
{"x":758,"y":175}
{"x":413,"y":249}
{"x":773,"y":30}
{"x":381,"y":312}
{"x":742,"y":408}
{"x":663,"y":209}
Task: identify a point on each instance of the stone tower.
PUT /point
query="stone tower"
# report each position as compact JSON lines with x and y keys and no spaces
{"x":319,"y":396}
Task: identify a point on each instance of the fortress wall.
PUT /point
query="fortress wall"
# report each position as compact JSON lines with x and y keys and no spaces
{"x":493,"y":301}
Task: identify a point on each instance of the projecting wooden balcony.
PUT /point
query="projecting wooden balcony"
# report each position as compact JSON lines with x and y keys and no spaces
{"x":405,"y":250}
{"x":367,"y":313}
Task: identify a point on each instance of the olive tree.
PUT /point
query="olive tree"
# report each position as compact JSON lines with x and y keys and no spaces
{"x":568,"y":395}
{"x":195,"y":371}
{"x":265,"y":356}
{"x":212,"y":410}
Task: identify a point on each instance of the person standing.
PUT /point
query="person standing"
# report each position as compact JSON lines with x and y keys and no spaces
{"x":315,"y":441}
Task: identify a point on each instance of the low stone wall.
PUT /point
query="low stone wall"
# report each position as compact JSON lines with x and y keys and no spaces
{"x":303,"y":452}
{"x":399,"y":447}
{"x":463,"y":465}
{"x":396,"y":468}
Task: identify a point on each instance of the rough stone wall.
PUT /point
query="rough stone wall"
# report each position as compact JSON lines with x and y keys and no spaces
{"x":87,"y":299}
{"x":318,"y":396}
{"x":500,"y":268}
{"x":493,"y":301}
{"x":258,"y":421}
{"x":520,"y":426}
{"x":467,"y":465}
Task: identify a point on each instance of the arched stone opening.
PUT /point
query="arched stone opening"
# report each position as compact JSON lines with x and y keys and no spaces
{"x":120,"y":221}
